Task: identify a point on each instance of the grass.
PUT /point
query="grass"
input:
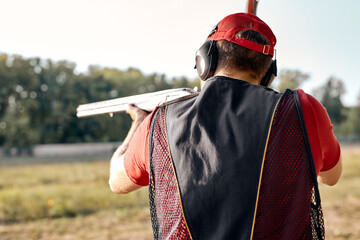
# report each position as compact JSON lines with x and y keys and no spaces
{"x":67,"y":198}
{"x":59,"y":190}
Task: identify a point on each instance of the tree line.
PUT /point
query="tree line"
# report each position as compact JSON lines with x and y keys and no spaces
{"x":345,"y":119}
{"x":38,"y":100}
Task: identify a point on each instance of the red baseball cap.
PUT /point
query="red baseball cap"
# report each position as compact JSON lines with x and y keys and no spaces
{"x":228,"y":27}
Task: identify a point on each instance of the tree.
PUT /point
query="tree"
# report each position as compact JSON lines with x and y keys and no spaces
{"x":38,"y":100}
{"x":351,"y":127}
{"x":291,"y":79}
{"x":17,"y":89}
{"x":184,"y":82}
{"x":330,"y":95}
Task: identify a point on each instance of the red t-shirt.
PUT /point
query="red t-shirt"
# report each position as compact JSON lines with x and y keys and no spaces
{"x":324,"y":146}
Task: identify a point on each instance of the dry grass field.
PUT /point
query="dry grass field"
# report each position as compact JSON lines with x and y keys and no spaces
{"x":67,"y":199}
{"x":51,"y":199}
{"x":341,"y":203}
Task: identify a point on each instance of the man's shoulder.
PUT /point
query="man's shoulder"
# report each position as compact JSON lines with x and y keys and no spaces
{"x":308,"y":101}
{"x":180,"y":99}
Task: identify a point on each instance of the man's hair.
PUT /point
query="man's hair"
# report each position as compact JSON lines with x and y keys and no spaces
{"x":231,"y":55}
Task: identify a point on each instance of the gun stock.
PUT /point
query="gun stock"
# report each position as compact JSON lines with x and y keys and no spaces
{"x":146,"y":101}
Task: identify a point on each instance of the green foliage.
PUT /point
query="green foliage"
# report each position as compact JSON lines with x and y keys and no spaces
{"x":330,"y":95}
{"x":184,"y":82}
{"x":344,"y":119}
{"x":38,"y":100}
{"x":291,"y":79}
{"x":350,"y":127}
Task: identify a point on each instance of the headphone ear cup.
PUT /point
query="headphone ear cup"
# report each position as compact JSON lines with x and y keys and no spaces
{"x":265,"y":81}
{"x":206,"y":60}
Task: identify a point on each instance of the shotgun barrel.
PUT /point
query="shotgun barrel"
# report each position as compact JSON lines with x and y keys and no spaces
{"x":146,"y":101}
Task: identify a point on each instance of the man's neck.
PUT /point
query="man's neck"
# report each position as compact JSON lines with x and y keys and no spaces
{"x":242,"y":75}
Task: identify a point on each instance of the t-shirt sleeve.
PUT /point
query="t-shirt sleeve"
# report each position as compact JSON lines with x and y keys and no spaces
{"x":324,"y":146}
{"x":136,"y":158}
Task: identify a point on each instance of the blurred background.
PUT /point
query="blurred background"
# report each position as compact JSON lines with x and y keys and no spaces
{"x":55,"y":55}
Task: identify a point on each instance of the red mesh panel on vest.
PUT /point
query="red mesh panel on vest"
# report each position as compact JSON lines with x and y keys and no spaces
{"x":284,"y":206}
{"x":165,"y":205}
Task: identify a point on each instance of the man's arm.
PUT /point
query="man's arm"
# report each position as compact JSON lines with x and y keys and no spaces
{"x":332,"y":176}
{"x":324,"y":145}
{"x":119,"y":181}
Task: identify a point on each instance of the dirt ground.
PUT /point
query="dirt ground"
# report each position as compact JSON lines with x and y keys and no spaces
{"x":105,"y":225}
{"x":342,"y":221}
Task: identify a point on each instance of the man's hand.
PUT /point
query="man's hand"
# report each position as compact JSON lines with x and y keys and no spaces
{"x":119,"y":181}
{"x":136,"y":114}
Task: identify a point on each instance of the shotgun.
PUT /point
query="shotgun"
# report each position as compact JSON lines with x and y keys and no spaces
{"x":146,"y":101}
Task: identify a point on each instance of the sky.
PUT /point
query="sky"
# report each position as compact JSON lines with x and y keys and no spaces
{"x":316,"y":37}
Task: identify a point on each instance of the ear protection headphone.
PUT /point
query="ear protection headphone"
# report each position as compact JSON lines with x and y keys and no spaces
{"x":206,"y":59}
{"x":265,"y":81}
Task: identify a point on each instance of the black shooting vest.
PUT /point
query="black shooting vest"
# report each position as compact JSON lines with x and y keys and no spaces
{"x":233,"y":162}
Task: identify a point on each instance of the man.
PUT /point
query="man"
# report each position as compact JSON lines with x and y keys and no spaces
{"x":238,"y":160}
